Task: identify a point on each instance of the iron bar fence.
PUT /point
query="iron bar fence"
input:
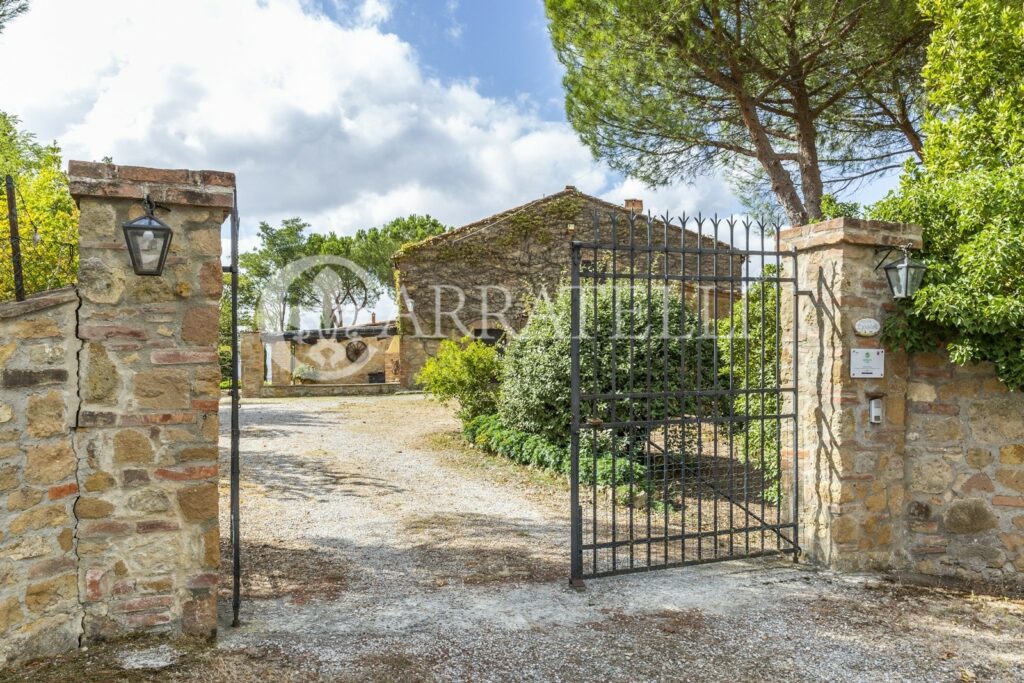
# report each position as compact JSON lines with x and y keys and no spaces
{"x":32,"y":258}
{"x":679,"y":394}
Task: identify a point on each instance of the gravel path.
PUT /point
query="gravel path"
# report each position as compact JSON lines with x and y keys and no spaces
{"x":376,"y":547}
{"x":376,"y":554}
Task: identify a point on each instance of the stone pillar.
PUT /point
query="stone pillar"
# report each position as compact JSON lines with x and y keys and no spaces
{"x":281,"y":362}
{"x":148,"y":538}
{"x":253,"y":368}
{"x":852,"y":479}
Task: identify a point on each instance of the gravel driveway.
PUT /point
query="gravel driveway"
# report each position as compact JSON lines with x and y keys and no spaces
{"x":376,"y":547}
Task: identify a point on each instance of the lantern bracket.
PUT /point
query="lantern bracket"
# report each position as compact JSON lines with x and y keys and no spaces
{"x":152,"y":206}
{"x":887,"y":251}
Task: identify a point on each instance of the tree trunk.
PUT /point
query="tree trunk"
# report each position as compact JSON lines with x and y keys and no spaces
{"x":807,"y":144}
{"x":782,"y":182}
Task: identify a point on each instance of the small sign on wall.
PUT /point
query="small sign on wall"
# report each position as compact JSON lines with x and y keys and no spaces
{"x":867,"y":363}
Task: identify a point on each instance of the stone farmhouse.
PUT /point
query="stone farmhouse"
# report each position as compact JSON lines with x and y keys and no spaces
{"x":480,"y":279}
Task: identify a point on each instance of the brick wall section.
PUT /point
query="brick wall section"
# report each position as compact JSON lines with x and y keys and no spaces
{"x":965,"y":472}
{"x":525,"y":250}
{"x":40,"y":612}
{"x":147,"y":427}
{"x":852,"y":480}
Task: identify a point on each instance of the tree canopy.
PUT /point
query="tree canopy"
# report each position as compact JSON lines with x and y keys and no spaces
{"x":9,"y":9}
{"x":790,"y":99}
{"x":47,"y":216}
{"x":340,"y":276}
{"x":969,"y":193}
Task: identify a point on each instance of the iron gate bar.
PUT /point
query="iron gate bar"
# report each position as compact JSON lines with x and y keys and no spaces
{"x":770,"y":552}
{"x":626,"y":433}
{"x":236,"y":540}
{"x":689,"y":278}
{"x":684,"y":250}
{"x":12,"y":223}
{"x":575,"y":511}
{"x":698,"y":534}
{"x":669,"y":394}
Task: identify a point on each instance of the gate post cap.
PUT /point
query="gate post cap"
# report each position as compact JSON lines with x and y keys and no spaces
{"x":204,"y":189}
{"x":868,"y":233}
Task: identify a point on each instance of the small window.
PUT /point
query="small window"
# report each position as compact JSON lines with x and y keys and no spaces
{"x":355,"y":350}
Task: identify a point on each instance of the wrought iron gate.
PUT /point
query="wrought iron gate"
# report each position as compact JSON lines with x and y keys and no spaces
{"x":683,"y":395}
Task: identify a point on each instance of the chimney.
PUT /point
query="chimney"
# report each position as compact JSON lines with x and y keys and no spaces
{"x":635,"y":205}
{"x":373,"y":317}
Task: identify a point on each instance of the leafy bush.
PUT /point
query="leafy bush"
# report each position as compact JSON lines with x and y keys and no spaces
{"x":748,"y":351}
{"x":304,"y":372}
{"x":224,"y":358}
{"x":490,"y":434}
{"x":969,"y":194}
{"x":467,"y":372}
{"x":535,"y":391}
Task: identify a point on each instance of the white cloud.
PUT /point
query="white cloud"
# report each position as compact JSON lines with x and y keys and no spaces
{"x":373,"y":12}
{"x":334,"y":122}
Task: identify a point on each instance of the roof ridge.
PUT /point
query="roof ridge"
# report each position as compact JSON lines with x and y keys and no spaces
{"x":501,"y":215}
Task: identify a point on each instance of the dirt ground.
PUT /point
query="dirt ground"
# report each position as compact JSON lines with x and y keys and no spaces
{"x":377,"y":547}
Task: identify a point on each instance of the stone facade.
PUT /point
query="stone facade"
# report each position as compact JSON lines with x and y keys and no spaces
{"x":108,"y":426}
{"x":148,"y":537}
{"x":965,"y":472}
{"x":525,"y":252}
{"x":938,"y":487}
{"x":40,"y":608}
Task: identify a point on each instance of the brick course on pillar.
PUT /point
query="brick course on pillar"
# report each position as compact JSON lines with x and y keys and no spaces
{"x":852,"y":479}
{"x":147,"y":430}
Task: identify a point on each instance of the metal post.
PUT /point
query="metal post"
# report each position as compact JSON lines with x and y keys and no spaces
{"x":236,"y":541}
{"x":576,"y":513}
{"x":795,"y":492}
{"x":12,"y":220}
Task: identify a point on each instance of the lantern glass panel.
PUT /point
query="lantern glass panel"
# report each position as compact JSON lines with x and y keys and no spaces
{"x":905,"y":277}
{"x":148,"y":240}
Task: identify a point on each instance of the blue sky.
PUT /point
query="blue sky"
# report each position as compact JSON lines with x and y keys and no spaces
{"x":347,"y":113}
{"x":503,"y":46}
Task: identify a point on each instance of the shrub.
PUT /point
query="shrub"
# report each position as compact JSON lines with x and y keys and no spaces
{"x":467,"y":372}
{"x":748,"y":352}
{"x":304,"y":373}
{"x":488,"y":433}
{"x":224,"y":358}
{"x":968,"y":196}
{"x":535,"y":391}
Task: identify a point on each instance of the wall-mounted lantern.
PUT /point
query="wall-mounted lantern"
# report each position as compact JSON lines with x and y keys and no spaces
{"x":904,"y":275}
{"x":148,"y":239}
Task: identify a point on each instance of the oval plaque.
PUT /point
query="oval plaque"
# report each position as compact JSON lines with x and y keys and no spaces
{"x":867,"y":327}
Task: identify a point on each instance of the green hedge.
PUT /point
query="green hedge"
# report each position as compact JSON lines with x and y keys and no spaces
{"x":488,"y":433}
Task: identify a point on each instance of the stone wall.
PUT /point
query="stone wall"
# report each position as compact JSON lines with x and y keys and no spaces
{"x":148,"y":537}
{"x":526,"y":251}
{"x":938,"y":487}
{"x":965,"y":472}
{"x":40,"y":611}
{"x":325,"y":355}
